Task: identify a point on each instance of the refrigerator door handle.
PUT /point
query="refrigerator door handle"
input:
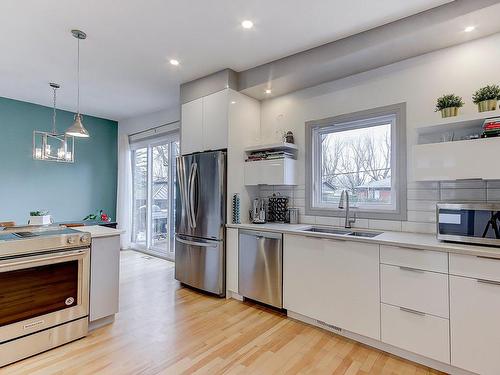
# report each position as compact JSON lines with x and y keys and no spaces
{"x":192,"y":180}
{"x":181,"y":168}
{"x":194,"y":243}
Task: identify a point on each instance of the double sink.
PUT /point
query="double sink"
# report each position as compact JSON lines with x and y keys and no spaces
{"x":343,"y":232}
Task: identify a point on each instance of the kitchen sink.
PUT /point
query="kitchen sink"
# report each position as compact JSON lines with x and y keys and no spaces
{"x":343,"y":232}
{"x":364,"y":234}
{"x":328,"y":230}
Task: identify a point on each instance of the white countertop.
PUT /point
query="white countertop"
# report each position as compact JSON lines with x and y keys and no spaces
{"x":97,"y":231}
{"x":403,"y":239}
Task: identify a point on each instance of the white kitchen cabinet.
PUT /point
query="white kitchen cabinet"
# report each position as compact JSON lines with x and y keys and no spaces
{"x":456,"y":160}
{"x":104,"y":277}
{"x":422,"y":334}
{"x":215,"y":120}
{"x":333,"y":281}
{"x":475,"y":267}
{"x":414,"y":258}
{"x":205,"y":123}
{"x":232,"y":260}
{"x":475,"y":333}
{"x":271,"y":172}
{"x":192,"y":126}
{"x":414,"y":289}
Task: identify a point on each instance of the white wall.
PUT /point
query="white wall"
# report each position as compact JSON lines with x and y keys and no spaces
{"x":418,"y":82}
{"x":148,"y":121}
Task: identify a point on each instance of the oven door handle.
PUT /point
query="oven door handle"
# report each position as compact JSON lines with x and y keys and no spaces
{"x":69,"y":254}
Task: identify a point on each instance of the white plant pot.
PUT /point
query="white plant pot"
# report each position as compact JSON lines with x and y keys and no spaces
{"x":40,"y":220}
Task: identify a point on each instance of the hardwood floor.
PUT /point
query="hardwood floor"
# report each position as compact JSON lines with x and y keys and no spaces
{"x":165,"y":329}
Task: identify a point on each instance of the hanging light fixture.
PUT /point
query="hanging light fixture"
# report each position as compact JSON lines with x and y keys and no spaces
{"x":77,"y":129}
{"x":52,"y":146}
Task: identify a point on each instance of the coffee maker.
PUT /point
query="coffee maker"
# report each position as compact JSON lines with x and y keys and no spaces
{"x":258,"y":212}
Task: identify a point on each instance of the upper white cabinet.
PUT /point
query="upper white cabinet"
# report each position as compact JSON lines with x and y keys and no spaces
{"x":204,"y":123}
{"x":271,"y":172}
{"x":215,"y":120}
{"x":470,"y":159}
{"x":192,"y":125}
{"x":333,"y":281}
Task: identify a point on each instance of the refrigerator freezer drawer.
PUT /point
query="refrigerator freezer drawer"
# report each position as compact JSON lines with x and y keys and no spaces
{"x":200,"y":263}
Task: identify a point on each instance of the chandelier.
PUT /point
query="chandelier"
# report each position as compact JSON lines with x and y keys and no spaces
{"x":53,"y":146}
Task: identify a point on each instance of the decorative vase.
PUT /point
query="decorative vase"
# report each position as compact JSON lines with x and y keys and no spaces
{"x":487,"y":105}
{"x":449,"y":112}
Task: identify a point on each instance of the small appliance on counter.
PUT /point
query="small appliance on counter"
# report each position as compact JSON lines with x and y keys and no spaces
{"x":277,"y":208}
{"x":258,"y":212}
{"x":476,"y":223}
{"x":293,"y":215}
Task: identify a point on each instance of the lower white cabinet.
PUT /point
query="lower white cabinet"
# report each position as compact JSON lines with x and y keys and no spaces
{"x":104,"y":277}
{"x":333,"y":281}
{"x":475,"y":327}
{"x":419,"y":333}
{"x":414,"y":289}
{"x":232,"y":260}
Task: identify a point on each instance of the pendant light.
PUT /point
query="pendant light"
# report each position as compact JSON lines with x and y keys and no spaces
{"x":53,"y":146}
{"x":77,"y":129}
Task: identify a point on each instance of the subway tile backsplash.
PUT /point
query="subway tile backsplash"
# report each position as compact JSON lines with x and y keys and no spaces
{"x":421,"y":200}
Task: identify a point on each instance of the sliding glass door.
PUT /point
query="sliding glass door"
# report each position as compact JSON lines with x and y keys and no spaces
{"x":153,"y":167}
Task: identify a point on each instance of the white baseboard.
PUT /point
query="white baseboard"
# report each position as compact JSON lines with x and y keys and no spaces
{"x":233,"y":295}
{"x":384,"y":347}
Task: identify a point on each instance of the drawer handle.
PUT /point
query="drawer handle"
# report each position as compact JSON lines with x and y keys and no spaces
{"x":410,"y":269}
{"x":490,"y":282}
{"x":485,"y":257}
{"x":412,"y":311}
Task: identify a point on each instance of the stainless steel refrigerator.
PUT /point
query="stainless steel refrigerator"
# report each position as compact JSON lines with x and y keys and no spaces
{"x":200,"y":216}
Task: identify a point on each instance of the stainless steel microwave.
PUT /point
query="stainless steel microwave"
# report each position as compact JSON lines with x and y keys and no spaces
{"x":477,"y":223}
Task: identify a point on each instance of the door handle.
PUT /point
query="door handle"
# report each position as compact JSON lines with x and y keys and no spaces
{"x":489,"y":282}
{"x":181,"y":169}
{"x":194,"y":243}
{"x":192,"y":179}
{"x":412,"y":311}
{"x":410,"y":269}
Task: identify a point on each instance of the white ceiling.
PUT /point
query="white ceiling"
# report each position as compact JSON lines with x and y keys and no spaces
{"x":124,"y":61}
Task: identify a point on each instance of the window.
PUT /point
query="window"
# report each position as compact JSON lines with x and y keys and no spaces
{"x":363,"y":153}
{"x":153,"y":194}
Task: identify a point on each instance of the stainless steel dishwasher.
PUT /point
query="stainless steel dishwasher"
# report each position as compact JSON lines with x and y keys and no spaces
{"x":260,"y":267}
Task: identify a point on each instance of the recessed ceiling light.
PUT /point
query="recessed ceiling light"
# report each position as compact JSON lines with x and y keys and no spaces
{"x":268,"y":91}
{"x":247,"y":24}
{"x":174,"y":62}
{"x":233,"y":102}
{"x":468,"y":29}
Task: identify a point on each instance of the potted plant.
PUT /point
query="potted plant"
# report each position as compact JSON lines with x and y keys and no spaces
{"x":39,"y":218}
{"x":449,"y":104}
{"x":487,"y":98}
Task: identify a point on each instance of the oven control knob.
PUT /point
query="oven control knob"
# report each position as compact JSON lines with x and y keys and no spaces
{"x":71,"y":240}
{"x":85,"y":238}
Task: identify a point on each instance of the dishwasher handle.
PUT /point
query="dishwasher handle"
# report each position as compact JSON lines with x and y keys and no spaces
{"x":261,"y":234}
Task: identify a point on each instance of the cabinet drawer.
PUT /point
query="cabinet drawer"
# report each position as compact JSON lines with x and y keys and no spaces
{"x":414,"y":258}
{"x":476,"y":267}
{"x":415,"y":289}
{"x":422,"y":334}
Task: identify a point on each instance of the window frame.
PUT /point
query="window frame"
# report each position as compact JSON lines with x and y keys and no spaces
{"x":351,"y":121}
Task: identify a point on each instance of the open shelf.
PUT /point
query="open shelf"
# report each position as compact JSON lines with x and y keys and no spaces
{"x":281,"y":146}
{"x":457,"y":128}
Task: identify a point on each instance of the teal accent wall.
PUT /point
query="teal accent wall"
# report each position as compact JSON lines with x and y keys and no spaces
{"x":68,"y":191}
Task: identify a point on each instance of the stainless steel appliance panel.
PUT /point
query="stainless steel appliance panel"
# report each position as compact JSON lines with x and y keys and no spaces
{"x":477,"y":223}
{"x":200,"y":263}
{"x":201,"y":195}
{"x":260,"y":267}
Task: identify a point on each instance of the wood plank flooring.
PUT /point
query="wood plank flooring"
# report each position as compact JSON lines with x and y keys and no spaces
{"x":165,"y":329}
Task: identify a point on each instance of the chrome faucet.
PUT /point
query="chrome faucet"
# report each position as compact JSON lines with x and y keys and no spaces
{"x":345,"y":197}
